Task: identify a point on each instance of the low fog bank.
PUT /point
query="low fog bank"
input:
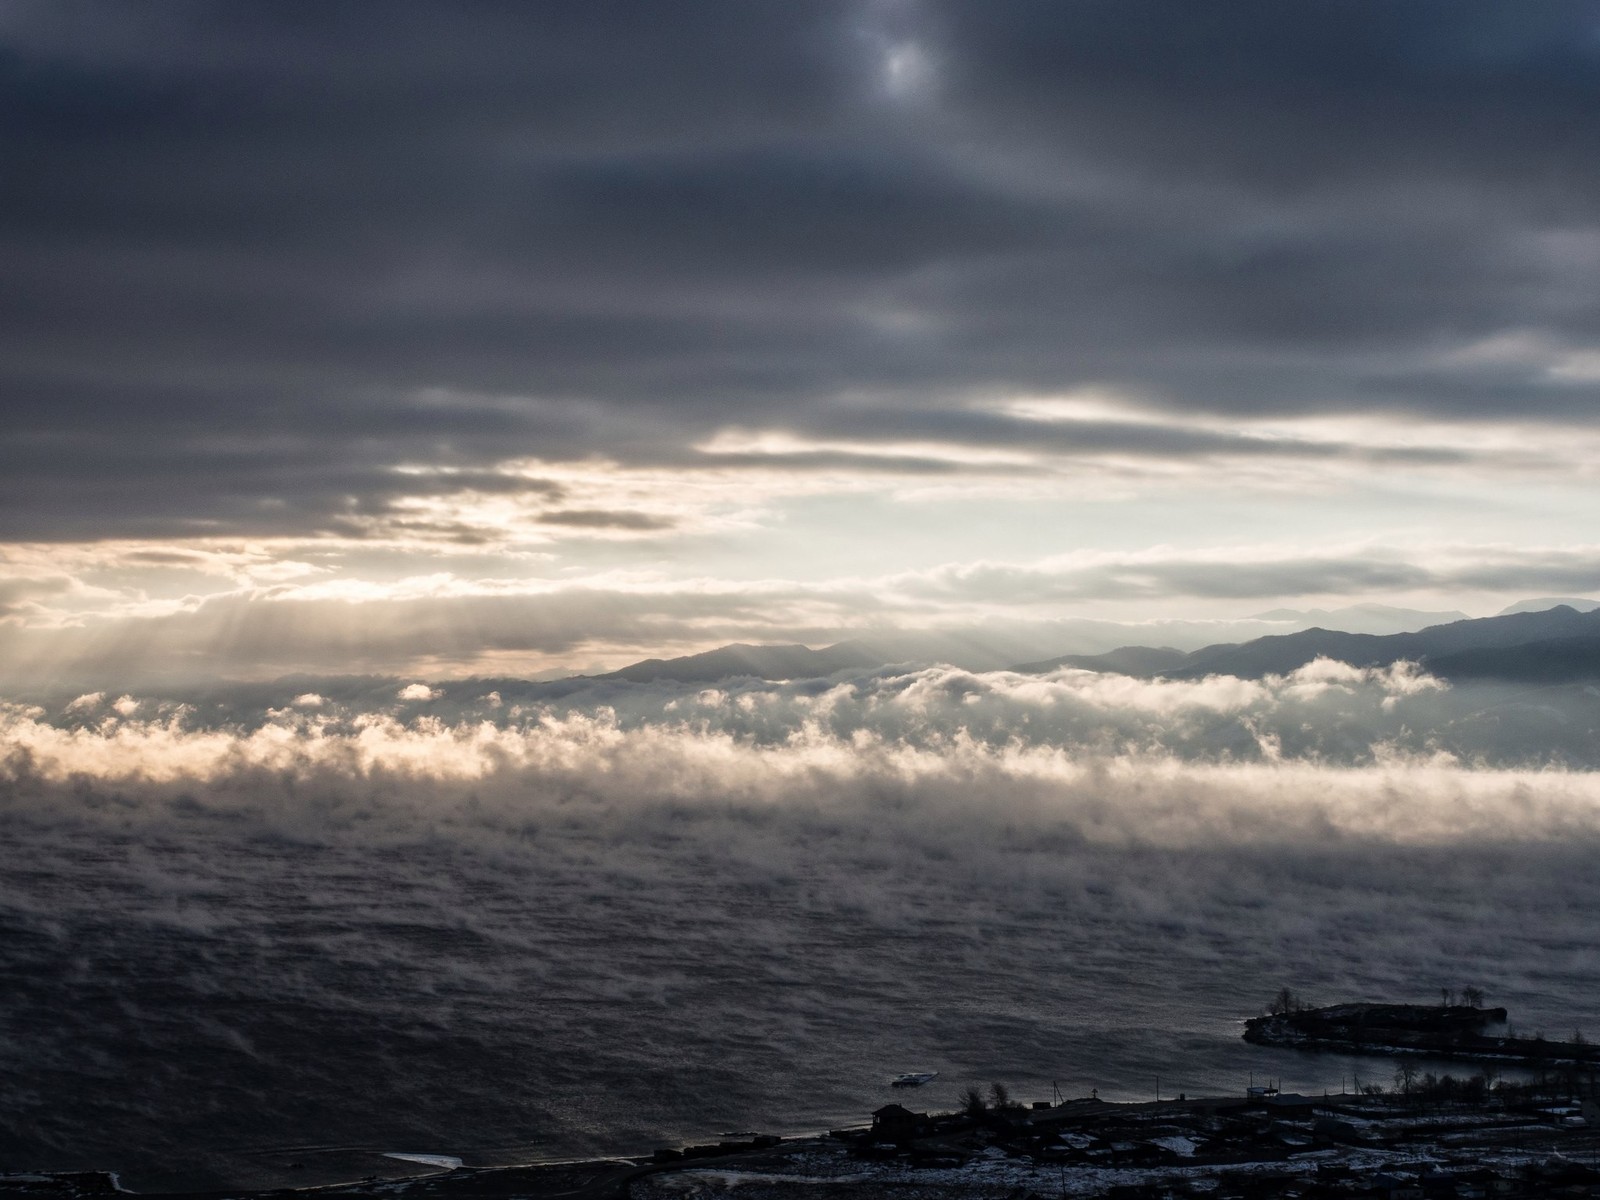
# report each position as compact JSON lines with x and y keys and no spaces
{"x":1325,"y":713}
{"x":1327,"y":752}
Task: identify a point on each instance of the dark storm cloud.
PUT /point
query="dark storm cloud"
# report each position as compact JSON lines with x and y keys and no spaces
{"x":1294,"y":97}
{"x":249,"y":248}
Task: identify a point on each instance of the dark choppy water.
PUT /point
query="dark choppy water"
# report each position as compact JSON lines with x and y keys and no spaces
{"x":216,"y":960}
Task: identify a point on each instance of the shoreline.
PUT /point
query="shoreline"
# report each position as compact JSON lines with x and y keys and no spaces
{"x":1263,"y":1145}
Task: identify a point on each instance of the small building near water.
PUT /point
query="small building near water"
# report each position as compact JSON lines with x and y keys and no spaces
{"x":897,"y":1124}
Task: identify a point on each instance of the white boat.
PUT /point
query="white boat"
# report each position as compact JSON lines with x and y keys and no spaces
{"x":913,"y":1079}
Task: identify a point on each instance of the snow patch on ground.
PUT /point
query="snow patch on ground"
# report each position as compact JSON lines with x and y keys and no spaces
{"x":445,"y":1162}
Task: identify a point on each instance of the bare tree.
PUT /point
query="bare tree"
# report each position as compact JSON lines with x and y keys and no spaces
{"x":1472,"y":997}
{"x":972,"y":1103}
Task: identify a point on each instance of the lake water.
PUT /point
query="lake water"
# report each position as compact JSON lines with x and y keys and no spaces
{"x":217,"y":962}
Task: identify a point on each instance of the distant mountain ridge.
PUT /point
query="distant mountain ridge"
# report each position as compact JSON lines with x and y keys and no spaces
{"x":1374,"y":618}
{"x":762,"y":662}
{"x":1558,"y":660}
{"x":1099,"y":644}
{"x":1554,"y":645}
{"x":1548,"y":602}
{"x":1514,"y":636}
{"x":1124,"y":660}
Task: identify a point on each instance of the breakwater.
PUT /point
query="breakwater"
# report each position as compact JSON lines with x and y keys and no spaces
{"x":1436,"y":1031}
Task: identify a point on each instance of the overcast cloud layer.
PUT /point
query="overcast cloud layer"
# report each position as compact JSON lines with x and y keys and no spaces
{"x":671,"y":304}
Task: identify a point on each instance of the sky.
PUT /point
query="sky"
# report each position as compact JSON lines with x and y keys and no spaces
{"x":493,"y":338}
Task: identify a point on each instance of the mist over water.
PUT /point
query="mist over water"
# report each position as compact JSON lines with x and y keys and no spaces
{"x":475,"y":920}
